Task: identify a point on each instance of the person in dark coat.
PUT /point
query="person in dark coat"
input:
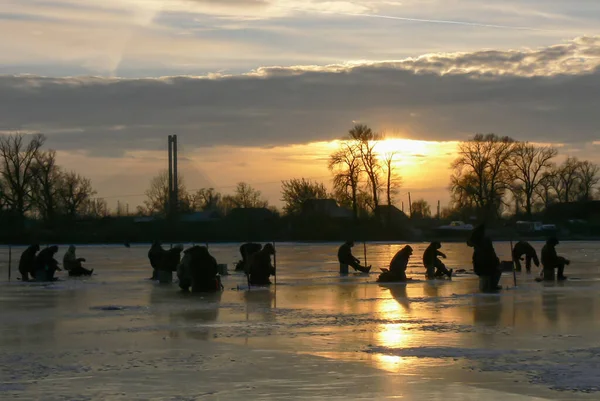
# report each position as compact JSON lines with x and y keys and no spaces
{"x":155,"y":255}
{"x":247,"y":250}
{"x":260,"y":266}
{"x":434,"y":266}
{"x":485,"y":261}
{"x":46,"y":265}
{"x":345,"y":257}
{"x":27,"y":262}
{"x":198,"y":270}
{"x":398,"y":265}
{"x":523,"y":248}
{"x":161,"y":259}
{"x":171,"y":259}
{"x":551,"y":261}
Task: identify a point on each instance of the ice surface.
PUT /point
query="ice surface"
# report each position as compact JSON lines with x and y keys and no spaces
{"x":316,"y":335}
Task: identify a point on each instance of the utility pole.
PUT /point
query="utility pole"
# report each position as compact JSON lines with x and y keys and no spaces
{"x":175,"y":177}
{"x":170,"y":196}
{"x":438,"y":213}
{"x":409,"y":205}
{"x":172,"y":203}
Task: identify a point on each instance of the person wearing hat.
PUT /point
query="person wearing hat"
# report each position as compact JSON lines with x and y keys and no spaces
{"x":260,"y":266}
{"x":524,"y":248}
{"x":345,"y":257}
{"x":73,"y":264}
{"x":27,"y":262}
{"x":247,"y":250}
{"x":485,"y":261}
{"x":198,"y":270}
{"x":46,"y":265}
{"x":435,"y":267}
{"x":551,"y":261}
{"x":398,"y":265}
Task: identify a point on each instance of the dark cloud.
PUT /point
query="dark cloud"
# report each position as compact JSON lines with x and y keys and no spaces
{"x":543,"y":95}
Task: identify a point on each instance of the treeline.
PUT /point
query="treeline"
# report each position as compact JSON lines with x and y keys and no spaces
{"x":498,"y":175}
{"x":363,"y":179}
{"x":492,"y":176}
{"x":32,"y":184}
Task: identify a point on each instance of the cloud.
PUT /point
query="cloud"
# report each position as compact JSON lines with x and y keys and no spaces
{"x":549,"y":94}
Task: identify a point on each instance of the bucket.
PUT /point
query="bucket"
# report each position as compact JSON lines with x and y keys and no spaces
{"x":42,"y":275}
{"x":222,"y":267}
{"x":485,"y":283}
{"x":164,"y":277}
{"x":507,"y":266}
{"x":343,"y":268}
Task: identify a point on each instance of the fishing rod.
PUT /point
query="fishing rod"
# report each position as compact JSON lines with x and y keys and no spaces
{"x":275,"y":280}
{"x":512,"y":258}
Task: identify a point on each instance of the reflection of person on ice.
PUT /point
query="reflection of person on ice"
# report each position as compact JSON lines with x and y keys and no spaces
{"x":434,"y":266}
{"x":345,"y":257}
{"x":551,"y":261}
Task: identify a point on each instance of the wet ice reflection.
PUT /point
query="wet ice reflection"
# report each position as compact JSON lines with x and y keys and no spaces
{"x":121,"y":327}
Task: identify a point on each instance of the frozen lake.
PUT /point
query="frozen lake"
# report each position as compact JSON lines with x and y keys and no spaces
{"x":315,"y":335}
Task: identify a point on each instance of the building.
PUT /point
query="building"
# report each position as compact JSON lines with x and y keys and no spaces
{"x":325,"y":207}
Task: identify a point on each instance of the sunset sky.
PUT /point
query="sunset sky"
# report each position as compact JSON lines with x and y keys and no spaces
{"x":257,"y":90}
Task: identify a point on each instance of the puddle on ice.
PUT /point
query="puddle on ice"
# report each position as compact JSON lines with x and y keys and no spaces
{"x":118,"y":336}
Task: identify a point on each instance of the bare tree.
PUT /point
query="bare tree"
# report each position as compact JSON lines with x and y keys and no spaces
{"x":297,"y":191}
{"x":588,"y":179}
{"x":157,"y":195}
{"x":566,"y":180}
{"x":366,"y":141}
{"x":346,"y":165}
{"x":529,"y":162}
{"x":393,"y":180}
{"x":545,"y":190}
{"x":245,"y":196}
{"x":206,"y":199}
{"x":75,"y":191}
{"x":46,"y":185}
{"x":482,"y":172}
{"x":17,"y":160}
{"x":95,"y":208}
{"x":420,"y":209}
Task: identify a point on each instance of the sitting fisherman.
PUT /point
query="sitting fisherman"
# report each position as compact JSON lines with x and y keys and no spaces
{"x":485,"y":261}
{"x":398,"y":265}
{"x":551,"y":261}
{"x":72,"y":264}
{"x":198,"y":270}
{"x":161,"y":259}
{"x":46,"y":265}
{"x":171,"y":259}
{"x":345,"y":257}
{"x":247,"y":250}
{"x":524,"y":248}
{"x":155,"y":255}
{"x":434,"y":266}
{"x":27,"y":262}
{"x":260,"y":266}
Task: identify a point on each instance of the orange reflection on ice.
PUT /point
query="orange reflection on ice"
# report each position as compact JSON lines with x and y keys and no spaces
{"x":390,"y":335}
